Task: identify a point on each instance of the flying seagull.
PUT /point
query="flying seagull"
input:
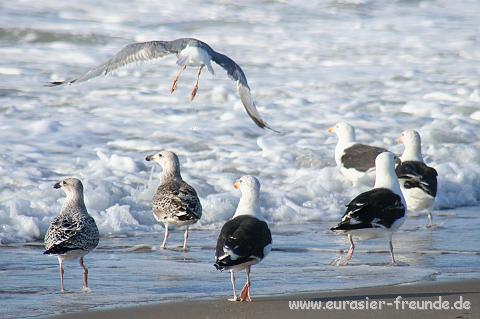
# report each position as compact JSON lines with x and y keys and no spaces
{"x":189,"y":52}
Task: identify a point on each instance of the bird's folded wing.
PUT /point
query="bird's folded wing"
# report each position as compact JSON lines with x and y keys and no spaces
{"x":361,"y":157}
{"x":61,"y":231}
{"x":418,"y":175}
{"x":379,"y":205}
{"x":408,"y":170}
{"x":178,"y":200}
{"x":243,"y":237}
{"x":189,"y":198}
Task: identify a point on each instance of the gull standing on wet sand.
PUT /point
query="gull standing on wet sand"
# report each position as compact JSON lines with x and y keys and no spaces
{"x":417,"y":180}
{"x":378,"y":212}
{"x":189,"y":52}
{"x":73,"y":233}
{"x":175,"y":202}
{"x":245,"y":239}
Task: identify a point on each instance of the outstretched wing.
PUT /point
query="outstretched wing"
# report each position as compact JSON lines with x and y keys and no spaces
{"x":235,"y":73}
{"x":147,"y":51}
{"x":132,"y":53}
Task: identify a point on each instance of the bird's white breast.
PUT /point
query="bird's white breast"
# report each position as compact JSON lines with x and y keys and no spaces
{"x":195,"y":56}
{"x":356,"y":176}
{"x":417,"y":200}
{"x":340,"y":151}
{"x":369,"y":233}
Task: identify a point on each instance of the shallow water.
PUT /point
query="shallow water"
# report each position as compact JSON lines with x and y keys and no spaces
{"x":382,"y":67}
{"x":134,"y":270}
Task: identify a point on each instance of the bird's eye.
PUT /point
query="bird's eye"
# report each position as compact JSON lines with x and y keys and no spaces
{"x":64,"y":183}
{"x":159,"y":155}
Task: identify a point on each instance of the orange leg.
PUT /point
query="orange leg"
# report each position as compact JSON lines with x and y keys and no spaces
{"x":174,"y":83}
{"x":195,"y":88}
{"x":245,"y":293}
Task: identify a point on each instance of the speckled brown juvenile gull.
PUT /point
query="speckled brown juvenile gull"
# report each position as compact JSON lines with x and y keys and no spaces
{"x":175,"y":202}
{"x":73,"y":233}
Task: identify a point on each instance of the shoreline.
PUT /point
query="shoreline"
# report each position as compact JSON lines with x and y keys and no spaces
{"x":414,"y":294}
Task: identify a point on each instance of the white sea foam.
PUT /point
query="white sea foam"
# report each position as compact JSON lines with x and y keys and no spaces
{"x":102,"y":130}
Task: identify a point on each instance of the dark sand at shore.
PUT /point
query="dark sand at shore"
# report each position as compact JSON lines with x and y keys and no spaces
{"x":278,"y":306}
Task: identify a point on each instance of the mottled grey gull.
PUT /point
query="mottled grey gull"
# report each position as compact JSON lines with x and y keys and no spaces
{"x":73,"y":233}
{"x":189,"y":52}
{"x":175,"y":202}
{"x":245,"y":239}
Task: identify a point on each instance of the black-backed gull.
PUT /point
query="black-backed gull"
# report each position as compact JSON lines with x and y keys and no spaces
{"x":354,"y":160}
{"x":418,"y":181}
{"x":378,"y":212}
{"x":245,"y":239}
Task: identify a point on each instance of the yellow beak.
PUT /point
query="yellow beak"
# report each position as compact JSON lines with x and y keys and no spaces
{"x":331,"y":130}
{"x":236,"y":185}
